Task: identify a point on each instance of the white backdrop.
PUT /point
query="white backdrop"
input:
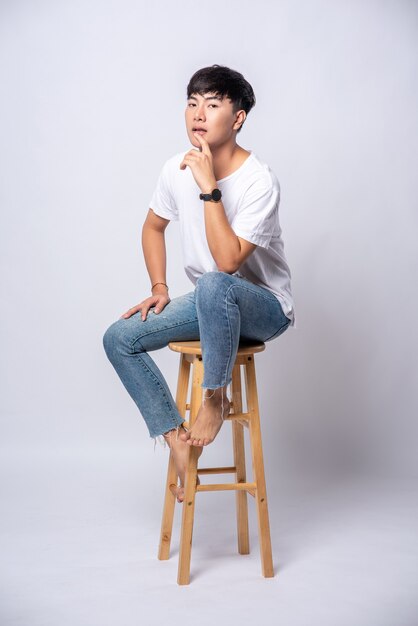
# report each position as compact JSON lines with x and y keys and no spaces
{"x":92,"y":105}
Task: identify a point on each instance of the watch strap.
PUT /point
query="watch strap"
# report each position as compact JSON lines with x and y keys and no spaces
{"x":215,"y":196}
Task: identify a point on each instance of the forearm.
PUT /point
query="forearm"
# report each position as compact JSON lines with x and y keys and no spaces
{"x":153,"y":246}
{"x":223,"y":242}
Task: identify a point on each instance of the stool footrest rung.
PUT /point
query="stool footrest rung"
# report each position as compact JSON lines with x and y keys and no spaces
{"x":250,"y":487}
{"x":239,"y":416}
{"x":216,"y":470}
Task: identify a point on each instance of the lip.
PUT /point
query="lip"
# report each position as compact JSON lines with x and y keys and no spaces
{"x":200,"y":130}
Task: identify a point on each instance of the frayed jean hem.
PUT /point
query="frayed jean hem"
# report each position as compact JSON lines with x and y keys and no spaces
{"x":217,"y":386}
{"x":161,"y":439}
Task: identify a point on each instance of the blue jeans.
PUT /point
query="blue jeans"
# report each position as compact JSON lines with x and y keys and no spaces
{"x":222,"y":310}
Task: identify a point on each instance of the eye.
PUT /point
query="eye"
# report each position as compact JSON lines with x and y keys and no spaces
{"x":214,"y":105}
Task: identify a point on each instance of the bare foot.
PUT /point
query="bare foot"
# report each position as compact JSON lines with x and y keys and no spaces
{"x":209,"y":418}
{"x":180,"y":452}
{"x":180,"y":490}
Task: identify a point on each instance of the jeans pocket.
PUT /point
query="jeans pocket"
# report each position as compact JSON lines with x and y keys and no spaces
{"x":280,"y":331}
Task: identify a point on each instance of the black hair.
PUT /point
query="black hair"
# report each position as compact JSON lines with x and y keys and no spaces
{"x":222,"y":81}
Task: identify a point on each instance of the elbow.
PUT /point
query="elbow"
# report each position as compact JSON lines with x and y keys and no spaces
{"x":228,"y":269}
{"x":229,"y":264}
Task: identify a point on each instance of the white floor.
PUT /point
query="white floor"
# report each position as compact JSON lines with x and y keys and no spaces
{"x":80,"y":532}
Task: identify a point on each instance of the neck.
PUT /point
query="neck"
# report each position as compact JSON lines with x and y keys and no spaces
{"x":227,"y":158}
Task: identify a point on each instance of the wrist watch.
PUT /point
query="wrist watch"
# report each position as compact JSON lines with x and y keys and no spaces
{"x":215,"y":196}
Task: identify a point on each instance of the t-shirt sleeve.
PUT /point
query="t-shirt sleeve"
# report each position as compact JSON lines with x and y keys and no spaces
{"x":257,"y":215}
{"x":162,"y":201}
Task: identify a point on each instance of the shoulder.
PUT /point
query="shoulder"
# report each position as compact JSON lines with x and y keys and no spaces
{"x":260,"y":176}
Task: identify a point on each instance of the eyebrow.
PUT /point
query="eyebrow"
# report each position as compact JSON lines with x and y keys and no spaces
{"x":206,"y":98}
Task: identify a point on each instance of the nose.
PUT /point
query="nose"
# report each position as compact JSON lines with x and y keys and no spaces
{"x":198,"y":113}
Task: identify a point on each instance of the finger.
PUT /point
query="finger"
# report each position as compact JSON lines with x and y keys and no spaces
{"x":187,"y":162}
{"x":191,"y":157}
{"x":131,"y":311}
{"x":159,"y":307}
{"x":187,"y":155}
{"x":203,"y":143}
{"x":144,"y":313}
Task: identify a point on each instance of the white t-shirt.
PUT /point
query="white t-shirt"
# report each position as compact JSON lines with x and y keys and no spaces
{"x":250,"y":197}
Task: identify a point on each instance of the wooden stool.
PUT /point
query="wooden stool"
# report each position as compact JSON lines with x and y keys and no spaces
{"x":191,"y":354}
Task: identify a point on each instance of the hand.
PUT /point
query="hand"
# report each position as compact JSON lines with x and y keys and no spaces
{"x":201,"y":164}
{"x":160,"y":301}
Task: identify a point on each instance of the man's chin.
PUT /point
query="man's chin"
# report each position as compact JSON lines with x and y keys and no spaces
{"x":195,"y":142}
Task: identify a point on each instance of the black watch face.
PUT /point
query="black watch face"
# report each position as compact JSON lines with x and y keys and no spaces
{"x":216,"y":194}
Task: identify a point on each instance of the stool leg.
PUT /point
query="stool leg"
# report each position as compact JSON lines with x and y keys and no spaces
{"x":185,"y":552}
{"x":239,"y":462}
{"x":170,"y":498}
{"x":258,"y":469}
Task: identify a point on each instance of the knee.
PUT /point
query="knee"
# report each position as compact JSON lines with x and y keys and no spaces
{"x":114,"y":341}
{"x":211,"y":283}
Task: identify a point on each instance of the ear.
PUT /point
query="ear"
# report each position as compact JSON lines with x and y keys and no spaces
{"x":241,"y":115}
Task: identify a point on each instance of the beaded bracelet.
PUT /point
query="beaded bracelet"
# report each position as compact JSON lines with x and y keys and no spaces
{"x":159,"y":284}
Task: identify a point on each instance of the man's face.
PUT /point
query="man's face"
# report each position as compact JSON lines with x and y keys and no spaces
{"x":214,"y":115}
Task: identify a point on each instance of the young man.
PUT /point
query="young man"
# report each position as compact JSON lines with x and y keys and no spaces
{"x":226,"y":200}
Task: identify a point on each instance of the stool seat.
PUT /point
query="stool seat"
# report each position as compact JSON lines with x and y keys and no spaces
{"x":194,"y":347}
{"x":191,"y":362}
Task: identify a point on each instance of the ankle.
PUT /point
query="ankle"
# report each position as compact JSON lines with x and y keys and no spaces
{"x":215,"y":396}
{"x":171,"y":433}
